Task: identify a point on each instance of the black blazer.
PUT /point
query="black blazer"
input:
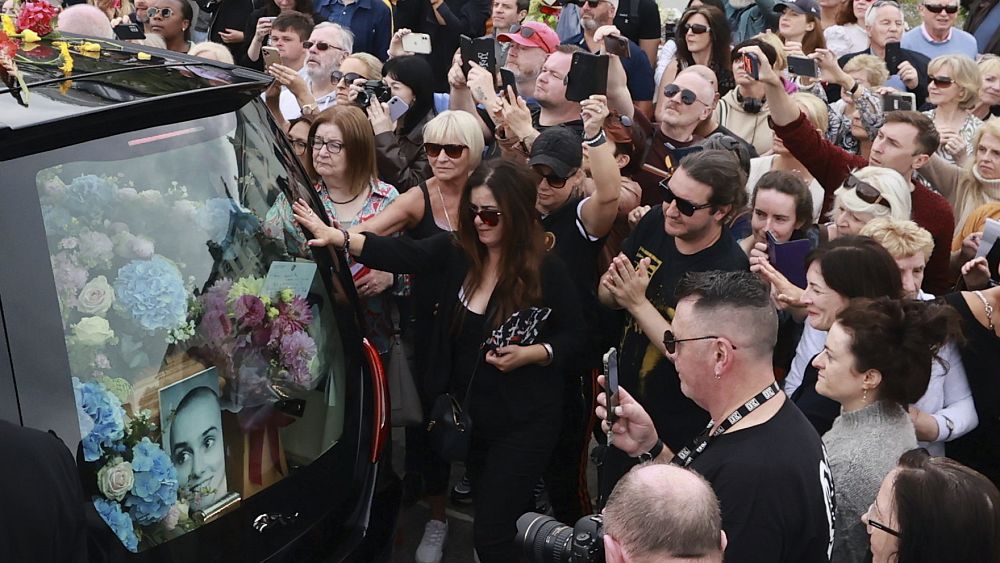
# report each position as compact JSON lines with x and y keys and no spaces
{"x":535,"y":385}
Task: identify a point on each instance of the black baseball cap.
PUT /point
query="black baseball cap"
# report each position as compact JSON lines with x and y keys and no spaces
{"x":800,"y":6}
{"x":558,"y":148}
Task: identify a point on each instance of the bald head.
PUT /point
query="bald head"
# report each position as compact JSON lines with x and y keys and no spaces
{"x":667,"y":512}
{"x":704,"y":72}
{"x":84,"y":19}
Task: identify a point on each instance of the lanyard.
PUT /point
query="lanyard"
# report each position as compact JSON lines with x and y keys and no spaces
{"x":687,"y":456}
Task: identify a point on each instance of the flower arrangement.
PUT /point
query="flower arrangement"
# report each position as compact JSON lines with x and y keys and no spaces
{"x":135,"y":488}
{"x":39,"y":17}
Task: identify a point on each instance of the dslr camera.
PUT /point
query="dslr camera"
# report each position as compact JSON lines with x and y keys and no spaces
{"x":373,"y":90}
{"x":546,"y":540}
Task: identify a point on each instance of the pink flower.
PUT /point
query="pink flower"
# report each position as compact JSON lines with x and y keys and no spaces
{"x":249,"y":311}
{"x":36,"y":16}
{"x":293,"y":316}
{"x":297,"y":350}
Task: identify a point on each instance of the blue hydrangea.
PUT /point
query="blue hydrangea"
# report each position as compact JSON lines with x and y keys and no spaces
{"x":90,"y":194}
{"x":118,"y":521}
{"x":102,"y":413}
{"x":155,"y":488}
{"x":216,"y":217}
{"x":152,"y":293}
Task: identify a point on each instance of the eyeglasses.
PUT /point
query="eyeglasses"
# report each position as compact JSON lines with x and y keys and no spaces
{"x":938,"y":8}
{"x":670,"y":343}
{"x":336,"y":76}
{"x":554,"y":180}
{"x":687,"y":96}
{"x":453,"y":151}
{"x":488,"y":215}
{"x":696,"y":28}
{"x":164,"y":13}
{"x":941,"y":81}
{"x":528,"y":33}
{"x":299,"y":146}
{"x":334,"y":147}
{"x":878,"y":525}
{"x":684,"y":206}
{"x":866,"y":192}
{"x":320,"y":45}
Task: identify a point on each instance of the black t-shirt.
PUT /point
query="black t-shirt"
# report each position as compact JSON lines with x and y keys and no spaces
{"x":775,"y":489}
{"x":642,"y":368}
{"x":644,"y":25}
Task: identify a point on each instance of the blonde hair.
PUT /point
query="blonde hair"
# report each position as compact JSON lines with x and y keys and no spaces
{"x":814,"y":108}
{"x":457,"y":127}
{"x":970,"y":192}
{"x":891,"y":184}
{"x":212,"y":51}
{"x":873,"y":67}
{"x":966,"y":75}
{"x":901,"y":238}
{"x":371,"y":62}
{"x":988,"y":64}
{"x":772,"y":39}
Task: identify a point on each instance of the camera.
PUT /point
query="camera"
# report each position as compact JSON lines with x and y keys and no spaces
{"x":373,"y":89}
{"x":546,"y":540}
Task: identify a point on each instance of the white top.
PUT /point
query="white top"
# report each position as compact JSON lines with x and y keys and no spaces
{"x":763,"y":164}
{"x":663,"y":58}
{"x":845,"y":39}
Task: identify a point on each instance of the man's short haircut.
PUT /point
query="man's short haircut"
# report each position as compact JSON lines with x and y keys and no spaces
{"x":568,"y":49}
{"x":523,"y":5}
{"x":964,"y":72}
{"x":872,"y":12}
{"x":721,"y":171}
{"x":901,"y":238}
{"x":346,"y":41}
{"x":874,"y":68}
{"x":927,"y":138}
{"x":738,"y":299}
{"x":650,"y":520}
{"x":301,"y":24}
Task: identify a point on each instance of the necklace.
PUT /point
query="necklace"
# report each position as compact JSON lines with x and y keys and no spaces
{"x":445,"y":207}
{"x":348,"y":201}
{"x":987,"y":308}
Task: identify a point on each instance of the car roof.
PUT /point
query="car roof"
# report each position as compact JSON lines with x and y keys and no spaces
{"x":107,"y":74}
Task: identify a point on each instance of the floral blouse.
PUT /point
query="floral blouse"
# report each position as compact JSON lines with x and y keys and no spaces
{"x":968,"y":132}
{"x":280,"y":224}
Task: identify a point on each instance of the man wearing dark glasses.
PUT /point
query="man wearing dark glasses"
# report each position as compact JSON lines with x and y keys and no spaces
{"x":937,"y":35}
{"x":311,"y":90}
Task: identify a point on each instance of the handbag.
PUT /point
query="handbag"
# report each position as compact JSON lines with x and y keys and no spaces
{"x":403,"y":395}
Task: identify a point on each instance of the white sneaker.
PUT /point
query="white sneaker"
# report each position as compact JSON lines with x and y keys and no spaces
{"x":431,"y":545}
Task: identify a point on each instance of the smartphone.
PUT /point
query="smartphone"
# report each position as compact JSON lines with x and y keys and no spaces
{"x":359,"y":271}
{"x":417,"y":43}
{"x":899,"y":101}
{"x":893,"y":56}
{"x":803,"y":66}
{"x":129,"y":31}
{"x":751,"y":65}
{"x":481,"y":50}
{"x":397,"y":108}
{"x":789,"y":258}
{"x":588,"y":75}
{"x":617,"y":46}
{"x":271,"y":56}
{"x":611,"y":382}
{"x":507,"y":79}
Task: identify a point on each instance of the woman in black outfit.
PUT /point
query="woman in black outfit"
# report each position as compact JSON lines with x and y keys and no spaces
{"x":496,"y":266}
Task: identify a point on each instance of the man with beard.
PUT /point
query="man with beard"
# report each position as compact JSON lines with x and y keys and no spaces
{"x":310,"y":90}
{"x":530,"y":45}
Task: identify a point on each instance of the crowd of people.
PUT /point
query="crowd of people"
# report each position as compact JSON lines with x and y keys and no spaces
{"x":778,"y":214}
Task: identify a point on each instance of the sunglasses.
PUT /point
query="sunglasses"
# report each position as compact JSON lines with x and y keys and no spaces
{"x":453,"y":151}
{"x":866,"y":192}
{"x":670,"y":343}
{"x":594,"y":3}
{"x":528,"y":33}
{"x":941,"y":81}
{"x":164,"y":13}
{"x":554,"y":180}
{"x":938,"y":8}
{"x":333,"y":146}
{"x":336,"y":76}
{"x":687,"y":96}
{"x":684,"y":206}
{"x":696,"y":28}
{"x":488,"y":215}
{"x":320,"y":45}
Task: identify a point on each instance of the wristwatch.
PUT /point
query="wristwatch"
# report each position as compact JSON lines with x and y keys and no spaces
{"x":653,"y":452}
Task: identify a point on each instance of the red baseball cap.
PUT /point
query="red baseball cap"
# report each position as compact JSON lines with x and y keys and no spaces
{"x":532,"y":34}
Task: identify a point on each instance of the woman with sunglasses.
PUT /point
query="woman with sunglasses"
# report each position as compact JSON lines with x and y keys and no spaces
{"x":849,"y":35}
{"x":874,"y":390}
{"x":866,"y":194}
{"x":495,"y":265}
{"x":703,"y":38}
{"x":171,"y":20}
{"x":953,"y":88}
{"x":356,"y":66}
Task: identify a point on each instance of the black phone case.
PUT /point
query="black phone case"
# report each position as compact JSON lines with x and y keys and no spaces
{"x":129,"y":31}
{"x":617,"y":46}
{"x":481,"y":50}
{"x":588,"y":75}
{"x":803,"y":66}
{"x":893,"y":56}
{"x":507,"y":79}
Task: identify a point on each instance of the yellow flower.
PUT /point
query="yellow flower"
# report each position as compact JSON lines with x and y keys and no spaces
{"x":90,"y":47}
{"x":143,"y":56}
{"x":67,"y":66}
{"x":30,"y":36}
{"x":8,"y":24}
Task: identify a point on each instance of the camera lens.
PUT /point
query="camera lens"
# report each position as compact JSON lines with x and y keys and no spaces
{"x":543,"y":538}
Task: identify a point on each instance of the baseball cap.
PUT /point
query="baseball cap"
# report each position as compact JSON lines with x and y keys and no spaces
{"x":800,"y":6}
{"x":532,"y":34}
{"x":559,"y":149}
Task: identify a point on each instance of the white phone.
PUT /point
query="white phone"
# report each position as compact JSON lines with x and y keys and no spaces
{"x":397,"y":108}
{"x":417,"y":43}
{"x":271,"y":56}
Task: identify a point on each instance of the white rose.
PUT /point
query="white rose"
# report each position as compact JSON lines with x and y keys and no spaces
{"x":93,"y":331}
{"x":115,"y":479}
{"x":173,"y":516}
{"x":96,"y":297}
{"x":150,"y":197}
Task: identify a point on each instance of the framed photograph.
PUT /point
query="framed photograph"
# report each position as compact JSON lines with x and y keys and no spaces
{"x":191,"y":424}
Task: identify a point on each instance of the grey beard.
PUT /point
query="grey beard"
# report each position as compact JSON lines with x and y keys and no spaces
{"x":590,"y":24}
{"x":741,"y":3}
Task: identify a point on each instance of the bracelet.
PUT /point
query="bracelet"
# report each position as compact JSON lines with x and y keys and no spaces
{"x":597,"y":140}
{"x":653,"y":452}
{"x":347,"y":241}
{"x":548,"y":353}
{"x":854,"y":89}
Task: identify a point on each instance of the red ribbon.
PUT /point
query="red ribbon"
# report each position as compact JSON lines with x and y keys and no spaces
{"x":257,"y":423}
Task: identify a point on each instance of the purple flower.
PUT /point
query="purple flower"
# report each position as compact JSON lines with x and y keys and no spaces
{"x":297,"y":350}
{"x":70,"y":277}
{"x":249,"y":311}
{"x":293,"y":316}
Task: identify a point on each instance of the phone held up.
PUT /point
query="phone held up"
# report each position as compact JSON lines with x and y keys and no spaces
{"x":611,"y":385}
{"x":751,"y":65}
{"x":397,"y":108}
{"x":803,"y":66}
{"x":129,"y":30}
{"x":588,"y":75}
{"x":899,"y":101}
{"x":615,"y":45}
{"x":419,"y":43}
{"x":271,"y":56}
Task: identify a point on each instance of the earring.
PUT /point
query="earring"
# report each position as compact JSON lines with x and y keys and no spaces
{"x":864,"y":397}
{"x":717,"y":374}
